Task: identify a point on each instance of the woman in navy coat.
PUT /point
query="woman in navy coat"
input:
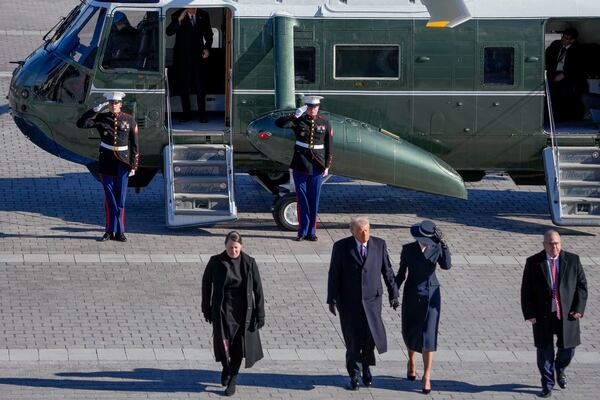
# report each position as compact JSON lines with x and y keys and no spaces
{"x":421,"y":298}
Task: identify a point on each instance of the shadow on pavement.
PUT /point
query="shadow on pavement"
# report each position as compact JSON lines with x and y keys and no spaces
{"x":78,"y":198}
{"x":194,"y":381}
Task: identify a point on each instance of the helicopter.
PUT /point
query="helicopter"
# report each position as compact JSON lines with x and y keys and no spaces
{"x":421,"y":95}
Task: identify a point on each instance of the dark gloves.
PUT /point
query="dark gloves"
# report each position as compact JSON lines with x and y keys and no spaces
{"x":260,"y":322}
{"x":208,"y":318}
{"x":332,"y":309}
{"x":395,"y":303}
{"x":439,"y":235}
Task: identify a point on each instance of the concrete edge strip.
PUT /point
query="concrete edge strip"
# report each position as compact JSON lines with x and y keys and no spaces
{"x":322,"y":258}
{"x":123,"y":354}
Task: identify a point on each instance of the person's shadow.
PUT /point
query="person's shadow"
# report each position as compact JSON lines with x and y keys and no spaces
{"x":198,"y":380}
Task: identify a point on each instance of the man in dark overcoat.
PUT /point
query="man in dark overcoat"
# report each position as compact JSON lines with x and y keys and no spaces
{"x":193,"y":40}
{"x":553,"y":298}
{"x":354,"y":288}
{"x":566,"y":75}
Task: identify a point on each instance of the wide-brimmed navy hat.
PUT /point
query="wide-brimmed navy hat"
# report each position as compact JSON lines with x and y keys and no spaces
{"x":424,"y":232}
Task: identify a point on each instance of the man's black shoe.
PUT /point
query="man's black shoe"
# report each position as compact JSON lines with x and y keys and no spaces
{"x":546,"y":393}
{"x":299,"y":238}
{"x":313,"y":238}
{"x":121,"y":237}
{"x":107,"y":236}
{"x":561,"y":378}
{"x":353,"y":384}
{"x":367,"y":378}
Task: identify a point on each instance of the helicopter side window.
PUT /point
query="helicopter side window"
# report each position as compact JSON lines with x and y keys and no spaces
{"x":80,"y":42}
{"x":499,"y":66}
{"x":304,"y":64}
{"x":65,"y":84}
{"x":367,"y":62}
{"x":133,"y":41}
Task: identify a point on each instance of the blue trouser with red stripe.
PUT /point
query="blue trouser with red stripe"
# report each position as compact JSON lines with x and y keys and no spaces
{"x":308,"y":192}
{"x":115,"y":190}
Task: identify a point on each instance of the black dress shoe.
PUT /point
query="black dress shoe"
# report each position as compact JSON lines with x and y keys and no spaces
{"x":230,"y":390}
{"x":121,"y":237}
{"x":546,"y":393}
{"x":425,"y":391}
{"x":225,"y":377}
{"x":367,"y":378}
{"x":561,"y":378}
{"x":353,"y":384}
{"x":299,"y":238}
{"x":107,"y":236}
{"x":313,"y":238}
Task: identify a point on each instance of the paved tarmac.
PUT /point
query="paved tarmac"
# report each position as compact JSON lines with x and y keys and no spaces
{"x":81,"y":319}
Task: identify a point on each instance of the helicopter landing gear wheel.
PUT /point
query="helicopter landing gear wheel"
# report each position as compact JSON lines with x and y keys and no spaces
{"x":285,"y":212}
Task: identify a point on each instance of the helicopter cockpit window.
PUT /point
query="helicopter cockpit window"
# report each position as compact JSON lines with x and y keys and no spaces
{"x":366,"y":62}
{"x":133,"y":41}
{"x":65,"y":84}
{"x":80,"y":41}
{"x":499,"y":66}
{"x":304,"y":64}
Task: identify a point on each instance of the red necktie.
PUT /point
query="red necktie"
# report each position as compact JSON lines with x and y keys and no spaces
{"x":555,"y":294}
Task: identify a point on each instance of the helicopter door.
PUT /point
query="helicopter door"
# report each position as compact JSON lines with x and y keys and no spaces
{"x":131,"y":61}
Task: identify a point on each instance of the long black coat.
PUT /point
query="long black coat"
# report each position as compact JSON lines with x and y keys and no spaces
{"x":213,"y":284}
{"x":421,"y":299}
{"x":354,"y":285}
{"x":189,"y":43}
{"x":574,"y":66}
{"x":536,"y":297}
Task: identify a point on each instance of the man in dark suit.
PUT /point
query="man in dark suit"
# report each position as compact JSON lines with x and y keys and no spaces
{"x":354,"y":289}
{"x":566,"y":76}
{"x":553,"y":297}
{"x":193,"y":41}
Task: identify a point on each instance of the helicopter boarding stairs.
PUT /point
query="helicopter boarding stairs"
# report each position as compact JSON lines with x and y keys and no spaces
{"x":572,"y":166}
{"x":198,"y":170}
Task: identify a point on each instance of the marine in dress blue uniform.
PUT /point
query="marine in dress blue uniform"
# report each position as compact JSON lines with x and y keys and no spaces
{"x":118,"y":159}
{"x":311,"y":161}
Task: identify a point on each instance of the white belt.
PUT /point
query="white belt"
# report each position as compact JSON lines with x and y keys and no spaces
{"x":307,"y":146}
{"x":113,"y":148}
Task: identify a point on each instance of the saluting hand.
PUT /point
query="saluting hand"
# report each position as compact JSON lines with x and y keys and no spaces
{"x":182,"y":15}
{"x":100,"y":106}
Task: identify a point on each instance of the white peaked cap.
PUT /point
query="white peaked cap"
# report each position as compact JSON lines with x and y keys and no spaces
{"x":313,"y":100}
{"x":114,"y":96}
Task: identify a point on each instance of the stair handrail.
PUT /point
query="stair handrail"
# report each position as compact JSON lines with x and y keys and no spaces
{"x":171,"y":175}
{"x":553,"y":137}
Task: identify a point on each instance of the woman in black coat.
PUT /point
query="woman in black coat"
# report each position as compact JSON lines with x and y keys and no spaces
{"x":233,"y":302}
{"x":421,"y":298}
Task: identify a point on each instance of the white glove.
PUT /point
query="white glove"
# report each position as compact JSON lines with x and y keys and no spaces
{"x":99,"y":107}
{"x":132,"y":172}
{"x":326,"y":172}
{"x":300,"y":111}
